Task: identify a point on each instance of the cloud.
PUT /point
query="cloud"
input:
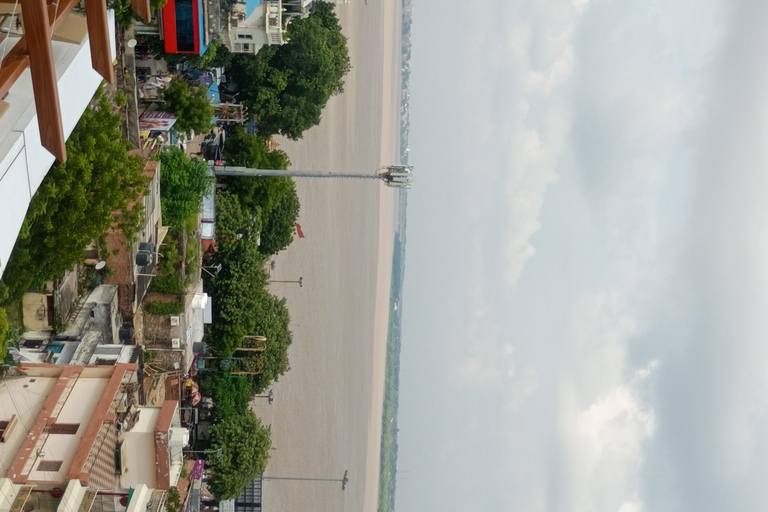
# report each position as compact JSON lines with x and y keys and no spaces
{"x":605,"y":418}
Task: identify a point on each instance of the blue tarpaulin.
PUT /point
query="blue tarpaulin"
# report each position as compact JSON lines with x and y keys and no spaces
{"x":213,"y":93}
{"x":250,"y":5}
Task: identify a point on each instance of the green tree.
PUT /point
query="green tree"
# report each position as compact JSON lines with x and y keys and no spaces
{"x":242,"y":148}
{"x":242,"y":304}
{"x":125,"y":15}
{"x":273,"y":197}
{"x":183,"y":184}
{"x":244,"y":445}
{"x":272,"y":321}
{"x":286,"y":87}
{"x":280,"y":223}
{"x":78,"y":201}
{"x":190,"y":105}
{"x":231,"y":395}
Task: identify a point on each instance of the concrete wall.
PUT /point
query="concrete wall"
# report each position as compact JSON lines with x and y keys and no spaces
{"x":140,"y":450}
{"x":23,"y":397}
{"x":78,"y":408}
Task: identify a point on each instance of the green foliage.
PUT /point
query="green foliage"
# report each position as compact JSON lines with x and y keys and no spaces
{"x":77,"y":202}
{"x":154,"y":307}
{"x":231,"y":395}
{"x":242,"y":148}
{"x":171,"y":283}
{"x":168,"y":278}
{"x":3,"y":329}
{"x":183,"y":184}
{"x":245,"y":445}
{"x":242,"y":304}
{"x":273,"y":198}
{"x":286,"y":87}
{"x":174,"y":500}
{"x":150,"y":356}
{"x":280,"y":223}
{"x":190,"y":105}
{"x":125,"y":15}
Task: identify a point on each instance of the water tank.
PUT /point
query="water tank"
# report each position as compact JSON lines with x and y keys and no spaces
{"x":143,"y":259}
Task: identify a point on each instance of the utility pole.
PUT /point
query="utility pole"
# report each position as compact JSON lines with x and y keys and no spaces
{"x":343,"y":481}
{"x":398,"y":176}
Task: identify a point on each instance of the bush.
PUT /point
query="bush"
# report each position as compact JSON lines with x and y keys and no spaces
{"x":3,"y":328}
{"x":150,"y":356}
{"x":174,"y":500}
{"x":183,"y":184}
{"x":171,"y":283}
{"x":163,"y":308}
{"x":230,"y":395}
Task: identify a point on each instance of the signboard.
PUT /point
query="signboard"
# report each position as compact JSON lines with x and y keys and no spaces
{"x":197,"y":470}
{"x":156,"y":121}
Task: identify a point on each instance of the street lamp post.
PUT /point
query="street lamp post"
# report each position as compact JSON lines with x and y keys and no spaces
{"x":298,"y":281}
{"x":270,"y":396}
{"x":217,"y":268}
{"x":344,"y":480}
{"x":216,"y":452}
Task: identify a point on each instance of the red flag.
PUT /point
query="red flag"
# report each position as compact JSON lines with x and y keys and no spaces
{"x":298,"y":230}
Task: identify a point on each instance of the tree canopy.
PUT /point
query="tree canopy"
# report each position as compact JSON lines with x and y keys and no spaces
{"x":78,"y":201}
{"x":231,"y":395}
{"x":243,"y":148}
{"x":273,"y":197}
{"x":245,"y":446}
{"x":189,"y":104}
{"x":286,"y":87}
{"x":183,"y":184}
{"x":242,"y":304}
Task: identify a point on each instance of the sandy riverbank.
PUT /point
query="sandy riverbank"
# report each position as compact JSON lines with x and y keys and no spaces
{"x":327,"y":413}
{"x":388,"y":155}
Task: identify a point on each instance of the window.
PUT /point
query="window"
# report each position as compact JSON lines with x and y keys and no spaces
{"x":185,"y":26}
{"x":50,"y":465}
{"x":6,"y":427}
{"x":246,"y":47}
{"x":245,"y":36}
{"x":64,"y":428}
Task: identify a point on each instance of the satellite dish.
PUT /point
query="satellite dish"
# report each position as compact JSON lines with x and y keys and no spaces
{"x":132,"y":43}
{"x":100,"y":265}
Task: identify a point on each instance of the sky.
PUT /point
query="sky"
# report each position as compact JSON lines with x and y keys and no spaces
{"x":585,"y":311}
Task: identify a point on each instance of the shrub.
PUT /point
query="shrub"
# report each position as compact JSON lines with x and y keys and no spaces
{"x":170,"y":283}
{"x":163,"y":308}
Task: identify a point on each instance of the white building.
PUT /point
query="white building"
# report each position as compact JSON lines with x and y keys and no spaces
{"x":23,"y":160}
{"x":252,"y":24}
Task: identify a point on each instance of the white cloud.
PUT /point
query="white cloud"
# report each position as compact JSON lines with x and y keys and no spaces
{"x":604,"y":418}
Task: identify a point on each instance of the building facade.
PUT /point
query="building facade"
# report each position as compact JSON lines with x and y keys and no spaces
{"x":60,"y":423}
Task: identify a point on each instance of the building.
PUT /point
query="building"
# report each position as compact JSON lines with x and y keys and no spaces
{"x":59,"y":423}
{"x":252,"y":24}
{"x":64,"y":423}
{"x":189,"y":26}
{"x":248,"y":501}
{"x":131,"y":274}
{"x":24,"y":159}
{"x":76,"y":497}
{"x":92,"y":336}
